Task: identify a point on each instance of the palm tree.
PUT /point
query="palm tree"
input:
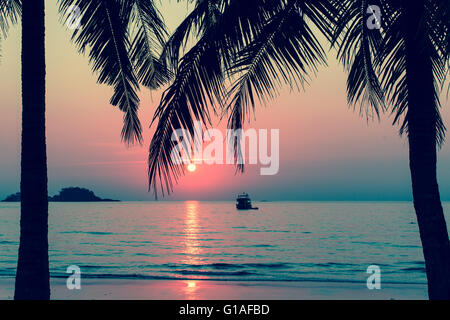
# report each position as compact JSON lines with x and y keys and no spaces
{"x":406,"y":61}
{"x":123,"y":38}
{"x":259,"y":45}
{"x":32,"y":278}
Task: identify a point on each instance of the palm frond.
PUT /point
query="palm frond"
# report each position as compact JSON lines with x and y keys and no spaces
{"x":105,"y":33}
{"x":198,"y":86}
{"x":191,"y":26}
{"x":394,"y":67}
{"x":147,"y":44}
{"x":10,"y":12}
{"x":285,"y":51}
{"x":195,"y":88}
{"x":438,"y":24}
{"x":357,"y":47}
{"x":377,"y":60}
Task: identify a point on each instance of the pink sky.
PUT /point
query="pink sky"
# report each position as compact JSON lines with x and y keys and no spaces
{"x":327,"y":152}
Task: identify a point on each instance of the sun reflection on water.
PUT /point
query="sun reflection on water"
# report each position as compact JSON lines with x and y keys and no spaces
{"x":192,"y":250}
{"x":190,"y":290}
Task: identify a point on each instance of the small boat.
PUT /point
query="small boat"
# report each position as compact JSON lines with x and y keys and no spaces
{"x":243,"y":202}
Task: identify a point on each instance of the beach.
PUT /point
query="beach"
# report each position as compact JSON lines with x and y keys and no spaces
{"x":123,"y":289}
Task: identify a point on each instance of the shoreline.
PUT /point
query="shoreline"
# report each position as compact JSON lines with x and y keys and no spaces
{"x":131,"y":289}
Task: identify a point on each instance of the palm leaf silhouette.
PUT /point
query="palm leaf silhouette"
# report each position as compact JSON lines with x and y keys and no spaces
{"x":377,"y":61}
{"x":284,"y":52}
{"x":357,"y":46}
{"x":10,"y":11}
{"x":123,"y":37}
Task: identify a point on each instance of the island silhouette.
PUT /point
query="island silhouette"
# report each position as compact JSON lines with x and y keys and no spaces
{"x":70,"y":194}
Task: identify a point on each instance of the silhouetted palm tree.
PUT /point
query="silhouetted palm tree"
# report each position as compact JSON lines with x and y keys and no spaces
{"x":406,"y":60}
{"x":262,"y":44}
{"x":123,"y":38}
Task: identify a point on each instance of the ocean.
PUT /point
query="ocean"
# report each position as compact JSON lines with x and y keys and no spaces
{"x":282,"y":241}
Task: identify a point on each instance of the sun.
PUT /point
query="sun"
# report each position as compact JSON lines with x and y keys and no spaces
{"x":191,"y":167}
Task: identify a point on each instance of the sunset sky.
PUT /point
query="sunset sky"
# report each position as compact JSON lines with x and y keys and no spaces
{"x":327,"y":151}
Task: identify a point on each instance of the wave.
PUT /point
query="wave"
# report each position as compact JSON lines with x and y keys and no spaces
{"x":231,"y":265}
{"x":214,"y":273}
{"x":246,"y":271}
{"x":238,"y":278}
{"x":9,"y":242}
{"x":217,"y":276}
{"x":421,"y":269}
{"x":96,"y":233}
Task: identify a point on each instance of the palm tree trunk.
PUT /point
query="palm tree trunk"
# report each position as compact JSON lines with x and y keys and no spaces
{"x":32,"y":277}
{"x":422,"y":118}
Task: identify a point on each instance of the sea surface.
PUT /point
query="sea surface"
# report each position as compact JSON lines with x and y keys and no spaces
{"x":282,"y":241}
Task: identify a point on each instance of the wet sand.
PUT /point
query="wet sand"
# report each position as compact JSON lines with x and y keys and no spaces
{"x":123,"y":289}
